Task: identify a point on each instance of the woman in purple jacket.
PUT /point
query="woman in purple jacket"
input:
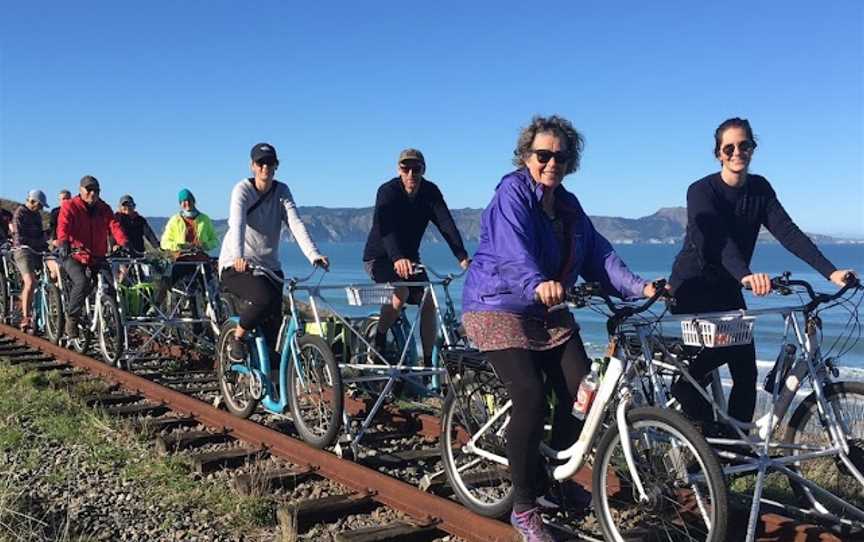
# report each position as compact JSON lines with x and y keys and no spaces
{"x":535,"y":241}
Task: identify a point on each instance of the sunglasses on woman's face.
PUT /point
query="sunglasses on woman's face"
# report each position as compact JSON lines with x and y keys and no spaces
{"x":544,"y":155}
{"x":269,"y":162}
{"x":744,"y":146}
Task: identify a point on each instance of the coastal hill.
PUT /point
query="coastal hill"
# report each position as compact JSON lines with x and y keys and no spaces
{"x":326,"y":224}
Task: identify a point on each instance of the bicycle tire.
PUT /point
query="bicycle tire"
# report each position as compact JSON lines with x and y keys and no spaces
{"x":233,"y":385}
{"x":674,"y":461}
{"x":315,"y":392}
{"x":486,"y":490}
{"x":110,"y":331}
{"x":54,"y":317}
{"x":831,"y":475}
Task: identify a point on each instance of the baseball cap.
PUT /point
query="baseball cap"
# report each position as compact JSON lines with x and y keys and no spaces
{"x":411,"y":154}
{"x":184,"y":195}
{"x":89,"y":181}
{"x":262,"y":151}
{"x":38,"y":195}
{"x":126,"y":199}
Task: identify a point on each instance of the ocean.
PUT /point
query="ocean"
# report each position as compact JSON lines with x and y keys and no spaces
{"x":650,"y":261}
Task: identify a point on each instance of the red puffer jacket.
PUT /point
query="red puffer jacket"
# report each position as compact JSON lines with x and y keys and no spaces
{"x":87,"y":227}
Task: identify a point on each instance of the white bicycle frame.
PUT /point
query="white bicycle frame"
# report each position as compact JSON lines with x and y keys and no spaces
{"x":615,"y":380}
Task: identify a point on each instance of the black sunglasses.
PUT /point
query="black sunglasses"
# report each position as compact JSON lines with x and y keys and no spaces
{"x":269,"y":162}
{"x":744,"y":146}
{"x":544,"y":155}
{"x":416,"y":167}
{"x":92,"y":189}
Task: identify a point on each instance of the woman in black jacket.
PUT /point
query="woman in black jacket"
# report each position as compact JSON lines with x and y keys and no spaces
{"x":725,"y":212}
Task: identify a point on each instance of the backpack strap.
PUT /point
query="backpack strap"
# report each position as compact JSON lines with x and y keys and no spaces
{"x":263,"y":197}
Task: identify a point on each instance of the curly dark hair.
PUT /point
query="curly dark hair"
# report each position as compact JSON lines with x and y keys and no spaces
{"x":734,"y":122}
{"x":561,"y":128}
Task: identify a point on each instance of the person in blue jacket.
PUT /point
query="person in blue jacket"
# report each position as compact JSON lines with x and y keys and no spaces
{"x":535,"y":241}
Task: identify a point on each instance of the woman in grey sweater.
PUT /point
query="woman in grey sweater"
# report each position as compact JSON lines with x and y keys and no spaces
{"x":259,"y":207}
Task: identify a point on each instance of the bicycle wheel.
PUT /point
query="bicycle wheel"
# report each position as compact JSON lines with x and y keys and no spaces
{"x":362,"y":354}
{"x":680,"y":473}
{"x":481,"y":484}
{"x":808,"y":427}
{"x":52,"y":313}
{"x":315,"y":392}
{"x":110,"y":330}
{"x":234,"y":385}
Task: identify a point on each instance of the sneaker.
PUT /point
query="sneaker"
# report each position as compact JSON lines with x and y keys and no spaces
{"x":530,"y":526}
{"x":237,"y":351}
{"x":567,"y":495}
{"x":71,"y":327}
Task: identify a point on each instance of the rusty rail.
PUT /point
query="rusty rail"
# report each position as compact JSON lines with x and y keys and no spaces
{"x":427,"y":509}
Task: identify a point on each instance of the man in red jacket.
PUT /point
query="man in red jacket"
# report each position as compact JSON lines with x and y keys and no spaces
{"x":83,"y":224}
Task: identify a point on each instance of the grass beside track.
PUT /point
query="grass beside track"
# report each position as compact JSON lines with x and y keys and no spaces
{"x":37,"y":419}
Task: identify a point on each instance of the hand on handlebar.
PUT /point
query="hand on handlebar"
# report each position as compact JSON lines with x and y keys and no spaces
{"x":550,"y":293}
{"x":842,"y":277}
{"x":240,"y":265}
{"x":465,"y":263}
{"x":760,"y":283}
{"x":403,"y":268}
{"x":322,"y":262}
{"x":658,"y":285}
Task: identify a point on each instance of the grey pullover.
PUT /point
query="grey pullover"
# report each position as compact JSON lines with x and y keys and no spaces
{"x":255,"y":236}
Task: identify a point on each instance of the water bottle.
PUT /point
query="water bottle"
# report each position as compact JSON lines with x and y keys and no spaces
{"x":783,"y":364}
{"x":586,"y":393}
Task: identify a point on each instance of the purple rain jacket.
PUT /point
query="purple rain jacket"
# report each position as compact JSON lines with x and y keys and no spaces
{"x":518,"y":250}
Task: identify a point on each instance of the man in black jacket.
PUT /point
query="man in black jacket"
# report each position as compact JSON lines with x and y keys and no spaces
{"x":135,"y":226}
{"x":404,"y":207}
{"x":62,"y":196}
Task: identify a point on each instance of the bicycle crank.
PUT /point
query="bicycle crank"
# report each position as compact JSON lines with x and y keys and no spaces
{"x":256,"y":385}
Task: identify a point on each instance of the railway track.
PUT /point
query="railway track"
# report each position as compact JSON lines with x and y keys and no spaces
{"x":182,"y":403}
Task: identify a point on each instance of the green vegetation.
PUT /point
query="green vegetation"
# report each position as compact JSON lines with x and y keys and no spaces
{"x":37,"y":419}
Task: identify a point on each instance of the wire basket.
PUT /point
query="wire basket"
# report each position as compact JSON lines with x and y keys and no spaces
{"x":718,"y":332}
{"x":373,"y":294}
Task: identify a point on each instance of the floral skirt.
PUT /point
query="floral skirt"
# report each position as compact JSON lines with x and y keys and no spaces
{"x":502,"y":330}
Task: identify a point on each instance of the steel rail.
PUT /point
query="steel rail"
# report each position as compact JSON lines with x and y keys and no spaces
{"x":427,"y":509}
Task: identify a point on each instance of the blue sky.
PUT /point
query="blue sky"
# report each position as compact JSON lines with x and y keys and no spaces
{"x":151,"y":97}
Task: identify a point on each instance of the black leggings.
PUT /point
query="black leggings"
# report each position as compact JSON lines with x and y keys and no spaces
{"x":260,"y":301}
{"x":701,"y":295}
{"x":522,"y":371}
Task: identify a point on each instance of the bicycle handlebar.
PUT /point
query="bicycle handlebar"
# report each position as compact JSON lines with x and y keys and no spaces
{"x":269,"y":273}
{"x":418,"y":268}
{"x":782,"y":285}
{"x":580,"y":294}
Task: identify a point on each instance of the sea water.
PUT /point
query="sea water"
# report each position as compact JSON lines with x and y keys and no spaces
{"x":650,"y":261}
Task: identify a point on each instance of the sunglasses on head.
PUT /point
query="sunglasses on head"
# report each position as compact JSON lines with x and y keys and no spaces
{"x":416,"y":167}
{"x":743,"y":146}
{"x":269,"y":162}
{"x":544,"y":155}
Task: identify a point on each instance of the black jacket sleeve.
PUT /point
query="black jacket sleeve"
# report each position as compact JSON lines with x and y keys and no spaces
{"x":780,"y":224}
{"x":149,"y":235}
{"x":443,"y":220}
